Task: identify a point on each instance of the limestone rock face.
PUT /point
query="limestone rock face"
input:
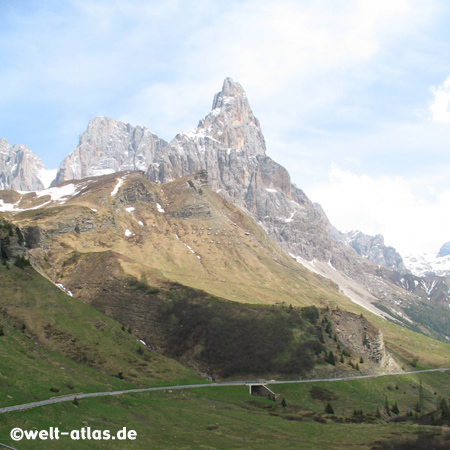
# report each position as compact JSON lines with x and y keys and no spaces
{"x":373,"y":249}
{"x":21,"y":169}
{"x":229,"y":144}
{"x":109,"y":146}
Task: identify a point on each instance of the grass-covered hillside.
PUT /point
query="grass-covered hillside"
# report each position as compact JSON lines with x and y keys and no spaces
{"x":367,"y":414}
{"x":53,"y":344}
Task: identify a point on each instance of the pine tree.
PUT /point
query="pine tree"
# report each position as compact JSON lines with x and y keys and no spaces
{"x":329,"y":409}
{"x":445,"y":410}
{"x":377,"y":413}
{"x":395,"y":409}
{"x":331,"y":359}
{"x":386,"y":407}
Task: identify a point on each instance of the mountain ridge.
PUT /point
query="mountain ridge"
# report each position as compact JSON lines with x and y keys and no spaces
{"x":229,"y":144}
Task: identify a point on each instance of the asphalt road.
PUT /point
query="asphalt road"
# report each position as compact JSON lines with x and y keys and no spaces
{"x":71,"y":397}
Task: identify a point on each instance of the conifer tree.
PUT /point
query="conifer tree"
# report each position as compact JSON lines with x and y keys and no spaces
{"x":329,"y":409}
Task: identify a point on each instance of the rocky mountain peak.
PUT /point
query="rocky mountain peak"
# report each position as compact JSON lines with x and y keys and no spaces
{"x":3,"y":143}
{"x":109,"y":146}
{"x":230,"y":89}
{"x":21,"y":169}
{"x":232,"y":122}
{"x":374,"y":249}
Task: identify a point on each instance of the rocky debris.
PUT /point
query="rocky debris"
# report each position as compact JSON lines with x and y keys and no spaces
{"x":198,"y":211}
{"x":373,"y":249}
{"x":21,"y":169}
{"x":360,"y":336}
{"x":109,"y":146}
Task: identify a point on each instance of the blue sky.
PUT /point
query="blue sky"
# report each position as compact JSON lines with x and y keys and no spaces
{"x":352,"y":96}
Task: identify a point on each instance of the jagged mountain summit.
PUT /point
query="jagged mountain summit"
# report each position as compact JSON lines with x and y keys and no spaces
{"x":373,"y":249}
{"x":21,"y":169}
{"x":228,"y":143}
{"x":108,"y":146}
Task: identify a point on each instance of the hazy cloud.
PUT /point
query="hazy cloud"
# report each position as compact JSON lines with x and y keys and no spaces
{"x":440,"y":106}
{"x":391,"y":206}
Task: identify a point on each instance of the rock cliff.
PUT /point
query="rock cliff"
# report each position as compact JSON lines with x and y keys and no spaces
{"x":21,"y":169}
{"x":373,"y":249}
{"x":109,"y":146}
{"x":229,"y":144}
{"x":362,"y":338}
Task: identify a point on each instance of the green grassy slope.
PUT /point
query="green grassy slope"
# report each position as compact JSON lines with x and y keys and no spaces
{"x":51,"y":340}
{"x":229,"y":418}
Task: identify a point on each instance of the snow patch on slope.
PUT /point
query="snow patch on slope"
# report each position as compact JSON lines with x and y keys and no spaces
{"x":117,"y":186}
{"x":47,"y":176}
{"x":60,"y":193}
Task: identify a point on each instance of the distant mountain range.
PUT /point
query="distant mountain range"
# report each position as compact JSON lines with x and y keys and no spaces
{"x":229,"y":145}
{"x":429,"y":264}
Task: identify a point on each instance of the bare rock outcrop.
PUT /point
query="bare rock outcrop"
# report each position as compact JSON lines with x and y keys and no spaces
{"x":21,"y":169}
{"x":109,"y":146}
{"x":373,"y":249}
{"x":361,"y":337}
{"x":229,"y":144}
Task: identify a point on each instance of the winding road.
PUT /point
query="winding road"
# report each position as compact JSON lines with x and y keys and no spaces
{"x":71,"y":397}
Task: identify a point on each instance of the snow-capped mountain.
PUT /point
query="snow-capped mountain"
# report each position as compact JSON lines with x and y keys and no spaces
{"x":430,"y":264}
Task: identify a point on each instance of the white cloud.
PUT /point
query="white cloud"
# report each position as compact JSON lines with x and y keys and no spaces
{"x":440,"y":106}
{"x":268,"y":44}
{"x":293,"y":58}
{"x":412,"y":223}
